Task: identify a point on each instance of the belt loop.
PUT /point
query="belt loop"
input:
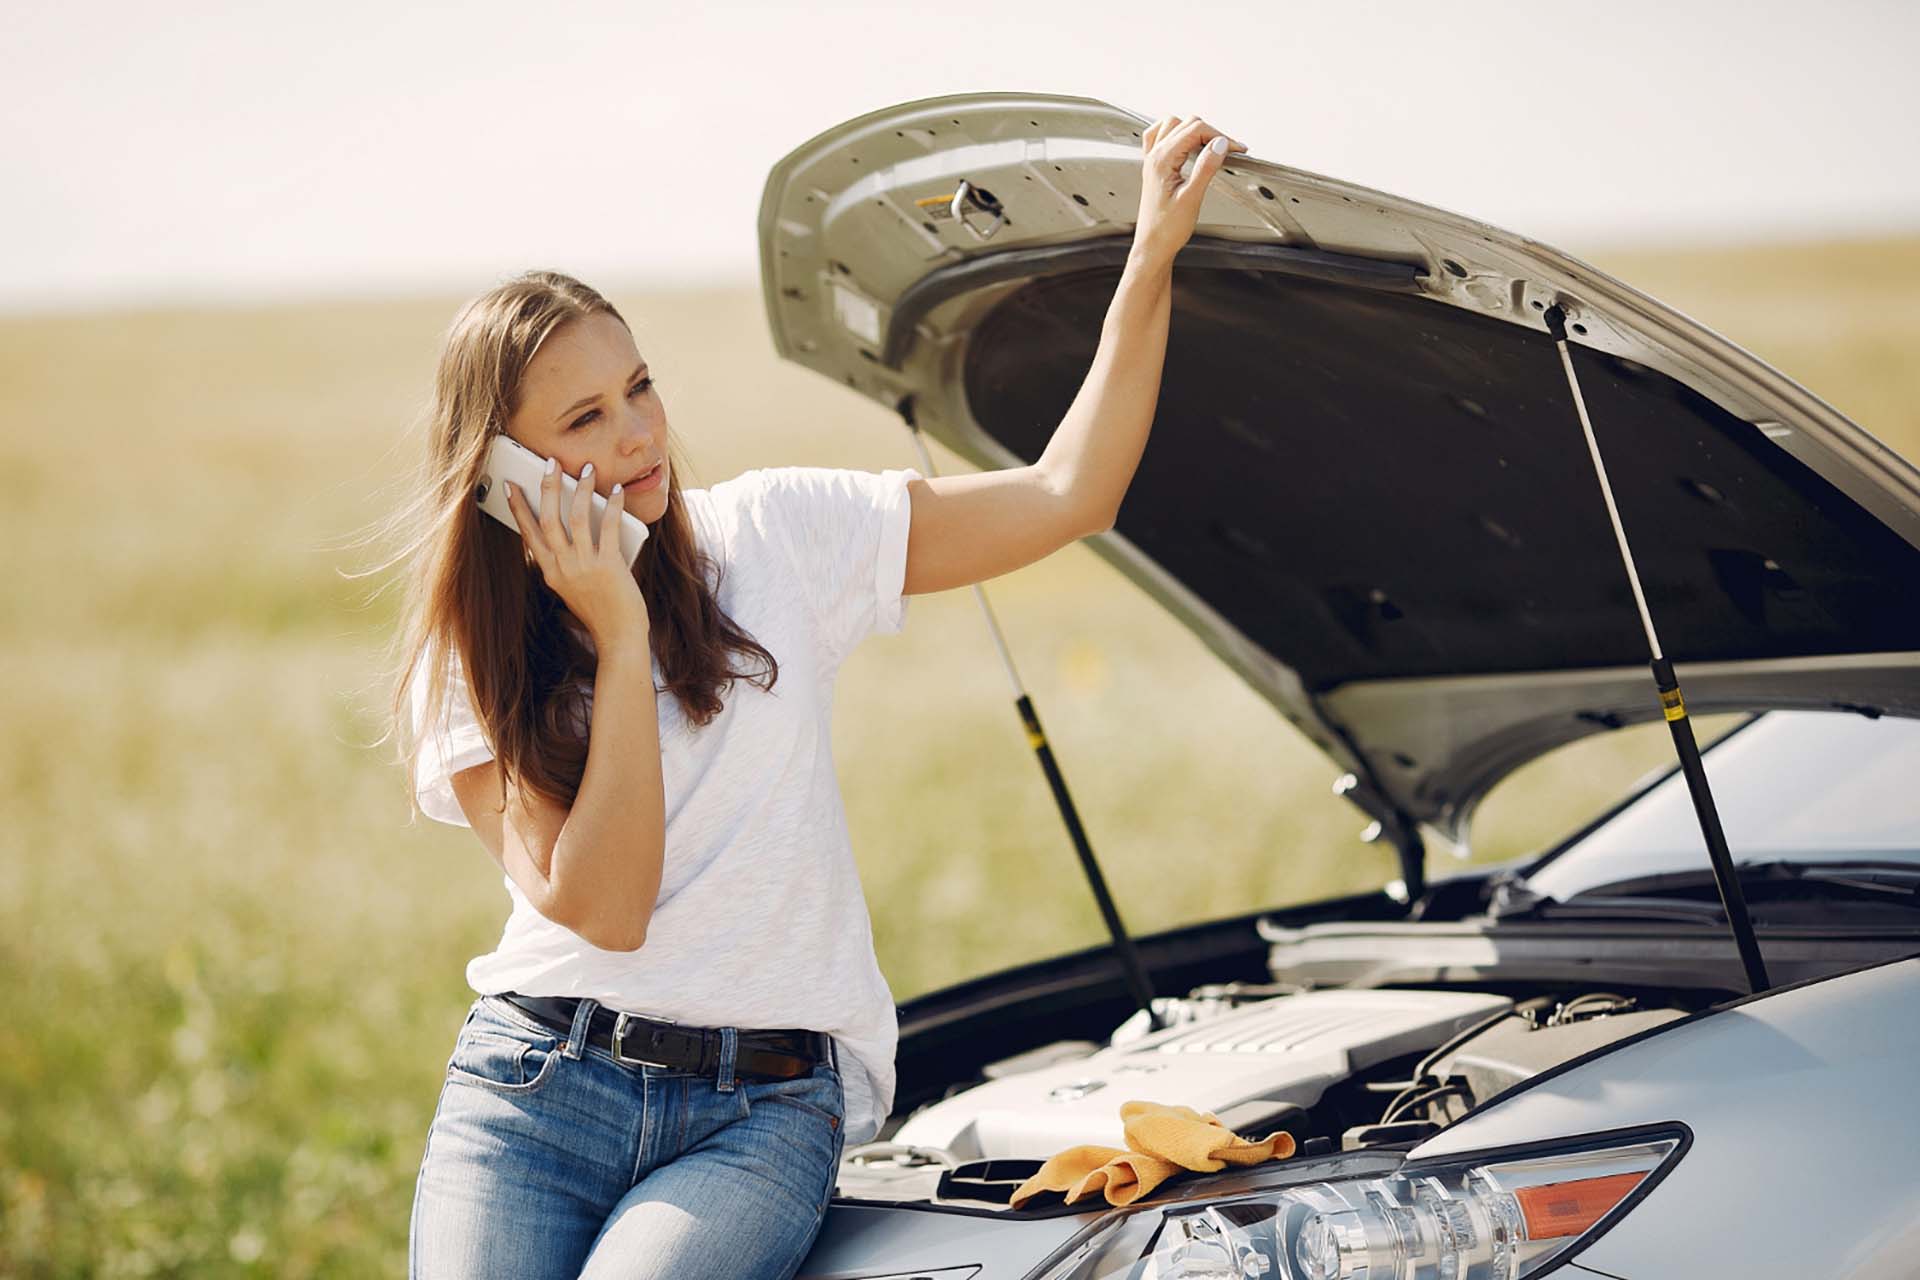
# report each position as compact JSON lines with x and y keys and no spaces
{"x":833,"y":1054}
{"x":729,"y":1047}
{"x":577,"y":1035}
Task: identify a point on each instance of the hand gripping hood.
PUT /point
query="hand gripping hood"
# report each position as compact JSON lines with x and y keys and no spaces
{"x":1366,"y":488}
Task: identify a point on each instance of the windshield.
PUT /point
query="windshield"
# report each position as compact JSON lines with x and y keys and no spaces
{"x":1808,"y":786}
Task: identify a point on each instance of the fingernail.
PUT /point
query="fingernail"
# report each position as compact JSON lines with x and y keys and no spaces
{"x":553,"y":465}
{"x":586,"y":471}
{"x":1218,"y":146}
{"x":616,"y":490}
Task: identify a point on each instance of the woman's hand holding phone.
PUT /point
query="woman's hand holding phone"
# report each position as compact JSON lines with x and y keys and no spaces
{"x":594,"y":581}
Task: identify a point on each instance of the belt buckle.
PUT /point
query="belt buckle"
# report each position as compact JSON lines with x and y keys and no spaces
{"x":619,"y":1038}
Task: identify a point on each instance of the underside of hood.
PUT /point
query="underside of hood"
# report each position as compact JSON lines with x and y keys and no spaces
{"x":1366,"y":488}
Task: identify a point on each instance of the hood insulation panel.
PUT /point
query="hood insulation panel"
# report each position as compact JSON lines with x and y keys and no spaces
{"x":1373,"y":485}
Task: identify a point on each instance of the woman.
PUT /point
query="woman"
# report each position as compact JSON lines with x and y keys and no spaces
{"x":669,"y":1052}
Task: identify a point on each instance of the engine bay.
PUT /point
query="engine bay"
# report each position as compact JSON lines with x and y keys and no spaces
{"x":1341,"y":1069}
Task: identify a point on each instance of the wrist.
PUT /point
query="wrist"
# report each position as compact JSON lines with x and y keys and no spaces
{"x":1150,"y":257}
{"x":629,"y":646}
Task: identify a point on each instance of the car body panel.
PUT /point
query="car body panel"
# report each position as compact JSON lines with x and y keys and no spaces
{"x":1778,"y":539}
{"x":874,"y":1242}
{"x":1772,"y":1089}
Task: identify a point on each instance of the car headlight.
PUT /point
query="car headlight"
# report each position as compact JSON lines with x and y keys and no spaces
{"x":1495,"y":1215}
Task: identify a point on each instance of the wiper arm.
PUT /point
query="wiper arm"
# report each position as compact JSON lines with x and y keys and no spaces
{"x":1892,"y":879}
{"x":1610,"y":907}
{"x":1895,"y":883}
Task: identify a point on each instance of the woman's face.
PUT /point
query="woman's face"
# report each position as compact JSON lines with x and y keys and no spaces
{"x":588,"y":397}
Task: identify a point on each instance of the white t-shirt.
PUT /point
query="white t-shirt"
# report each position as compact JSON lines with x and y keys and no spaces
{"x":761,"y":921}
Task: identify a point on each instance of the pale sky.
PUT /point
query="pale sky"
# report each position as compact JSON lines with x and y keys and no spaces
{"x":190,"y":151}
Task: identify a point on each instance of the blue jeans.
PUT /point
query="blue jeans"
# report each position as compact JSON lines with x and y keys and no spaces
{"x":546,"y":1157}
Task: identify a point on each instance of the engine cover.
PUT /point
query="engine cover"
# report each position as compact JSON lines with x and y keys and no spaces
{"x":1284,"y":1050}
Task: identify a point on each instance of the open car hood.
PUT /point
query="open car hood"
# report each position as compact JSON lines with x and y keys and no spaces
{"x":1366,"y":488}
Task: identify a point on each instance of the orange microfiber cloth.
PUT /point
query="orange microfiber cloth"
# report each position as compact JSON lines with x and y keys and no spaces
{"x":1163,"y":1141}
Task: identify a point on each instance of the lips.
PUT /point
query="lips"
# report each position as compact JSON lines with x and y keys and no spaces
{"x":642,"y":477}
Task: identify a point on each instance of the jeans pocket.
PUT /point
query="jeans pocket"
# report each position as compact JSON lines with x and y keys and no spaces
{"x":818,"y":1094}
{"x":501,"y":1062}
{"x":806,"y":1117}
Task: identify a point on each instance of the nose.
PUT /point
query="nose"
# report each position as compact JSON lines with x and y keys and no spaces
{"x":639,"y":431}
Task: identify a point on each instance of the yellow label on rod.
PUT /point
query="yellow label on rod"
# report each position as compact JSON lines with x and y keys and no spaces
{"x":1675,"y":706}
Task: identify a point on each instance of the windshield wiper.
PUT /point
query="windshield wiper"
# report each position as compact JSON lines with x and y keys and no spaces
{"x":1891,"y":880}
{"x":1669,"y":895}
{"x":1609,"y":907}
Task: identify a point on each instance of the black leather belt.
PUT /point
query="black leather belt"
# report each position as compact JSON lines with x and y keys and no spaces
{"x":637,"y":1041}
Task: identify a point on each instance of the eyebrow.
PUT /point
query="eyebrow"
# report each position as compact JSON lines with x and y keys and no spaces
{"x":583,"y":401}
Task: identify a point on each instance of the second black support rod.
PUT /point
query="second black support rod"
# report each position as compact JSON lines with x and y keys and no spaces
{"x":1732,"y":899}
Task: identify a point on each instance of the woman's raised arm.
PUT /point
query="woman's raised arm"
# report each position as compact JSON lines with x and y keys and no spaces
{"x":967,"y":528}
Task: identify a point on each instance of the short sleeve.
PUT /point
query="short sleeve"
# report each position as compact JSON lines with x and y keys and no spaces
{"x":457,"y":742}
{"x":847,"y":533}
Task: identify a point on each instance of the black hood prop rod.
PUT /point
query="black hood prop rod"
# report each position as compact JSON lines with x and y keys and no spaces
{"x":1732,"y":900}
{"x":1135,"y":972}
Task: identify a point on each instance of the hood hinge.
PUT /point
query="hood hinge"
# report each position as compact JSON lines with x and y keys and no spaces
{"x":1396,"y":827}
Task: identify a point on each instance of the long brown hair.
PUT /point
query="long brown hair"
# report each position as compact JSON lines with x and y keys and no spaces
{"x":473,"y":589}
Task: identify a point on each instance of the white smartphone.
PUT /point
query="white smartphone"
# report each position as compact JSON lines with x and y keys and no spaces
{"x":511,"y":460}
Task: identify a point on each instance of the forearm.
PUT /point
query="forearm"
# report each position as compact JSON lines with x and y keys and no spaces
{"x":1096,"y":449}
{"x":605,"y":868}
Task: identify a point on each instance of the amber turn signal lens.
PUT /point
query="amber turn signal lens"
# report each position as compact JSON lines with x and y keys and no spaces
{"x":1568,"y":1208}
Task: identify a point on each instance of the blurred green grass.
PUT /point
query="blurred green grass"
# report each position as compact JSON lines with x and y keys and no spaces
{"x":236,"y":972}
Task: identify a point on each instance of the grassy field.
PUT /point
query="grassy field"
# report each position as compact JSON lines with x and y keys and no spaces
{"x":235,"y":972}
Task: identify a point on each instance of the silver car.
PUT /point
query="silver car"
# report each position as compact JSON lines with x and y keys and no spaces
{"x":1369,"y":491}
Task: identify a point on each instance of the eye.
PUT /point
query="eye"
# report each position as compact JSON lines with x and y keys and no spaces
{"x":639,"y":388}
